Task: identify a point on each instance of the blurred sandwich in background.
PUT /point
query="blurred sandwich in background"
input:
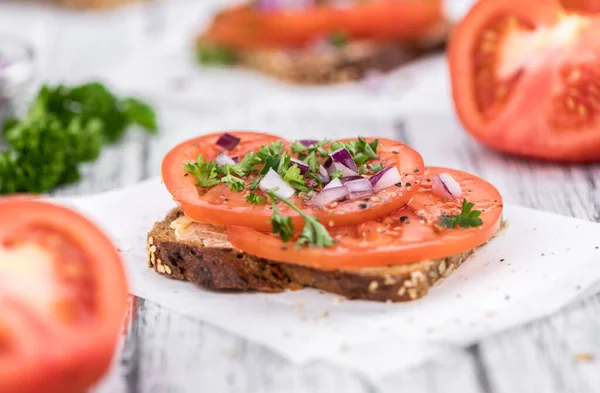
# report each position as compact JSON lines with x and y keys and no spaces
{"x":92,"y":3}
{"x":323,"y":41}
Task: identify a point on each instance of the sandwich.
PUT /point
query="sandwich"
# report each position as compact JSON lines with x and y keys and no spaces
{"x":362,"y":218}
{"x":323,"y":41}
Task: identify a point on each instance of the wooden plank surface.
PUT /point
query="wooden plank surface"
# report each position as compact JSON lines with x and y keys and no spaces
{"x":165,"y":352}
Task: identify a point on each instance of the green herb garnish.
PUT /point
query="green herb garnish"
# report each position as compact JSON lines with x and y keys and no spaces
{"x":255,"y":199}
{"x":338,"y":39}
{"x":205,"y":172}
{"x":211,"y":54}
{"x":313,"y":233}
{"x":466,"y":219}
{"x":336,"y":175}
{"x":281,"y":225}
{"x":375,"y":167}
{"x":234,"y":183}
{"x":291,"y":174}
{"x":64,"y":127}
{"x":255,"y":183}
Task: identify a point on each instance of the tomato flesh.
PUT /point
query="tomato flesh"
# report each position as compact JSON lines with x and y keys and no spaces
{"x":526,"y":79}
{"x":62,"y":301}
{"x":248,"y":28}
{"x":408,"y":235}
{"x":221,"y":206}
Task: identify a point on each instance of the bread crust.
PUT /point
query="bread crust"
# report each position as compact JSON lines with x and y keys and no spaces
{"x":217,"y":265}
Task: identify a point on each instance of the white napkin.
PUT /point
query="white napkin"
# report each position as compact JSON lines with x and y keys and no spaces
{"x":537,"y":265}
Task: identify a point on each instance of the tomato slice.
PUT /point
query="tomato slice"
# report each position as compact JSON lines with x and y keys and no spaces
{"x":63,"y":296}
{"x":406,"y":236}
{"x":248,"y":28}
{"x":221,"y":206}
{"x":526,"y":78}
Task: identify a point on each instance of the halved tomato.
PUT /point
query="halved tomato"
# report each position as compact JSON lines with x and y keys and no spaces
{"x":409,"y":235}
{"x":220,"y":206}
{"x":383,"y":20}
{"x":526,"y":78}
{"x":63,"y":297}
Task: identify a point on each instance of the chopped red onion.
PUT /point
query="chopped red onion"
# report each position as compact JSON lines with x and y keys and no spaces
{"x":228,"y":141}
{"x":304,"y":168}
{"x":323,"y":174}
{"x":333,"y":184}
{"x":386,"y":178}
{"x":359,"y":185}
{"x":350,"y":178}
{"x":309,"y":142}
{"x":445,"y":186}
{"x":236,"y":159}
{"x":341,"y":156}
{"x":224,"y":159}
{"x":273,"y":181}
{"x":330,"y":195}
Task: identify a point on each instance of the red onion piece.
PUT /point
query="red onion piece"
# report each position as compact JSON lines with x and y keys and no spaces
{"x":224,"y":159}
{"x":309,"y":142}
{"x":386,"y":178}
{"x":338,"y":166}
{"x":323,"y":174}
{"x":359,"y":185}
{"x":304,"y":168}
{"x":236,"y":159}
{"x":228,"y":141}
{"x":344,"y":157}
{"x":350,"y":178}
{"x":272,"y":181}
{"x":358,"y":195}
{"x":445,"y":186}
{"x":333,"y":184}
{"x":331,"y":195}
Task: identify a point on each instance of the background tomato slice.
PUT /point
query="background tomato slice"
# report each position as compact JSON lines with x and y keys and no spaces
{"x":525,"y":78}
{"x":221,"y":206}
{"x":63,"y":296}
{"x":406,"y":236}
{"x":248,"y":28}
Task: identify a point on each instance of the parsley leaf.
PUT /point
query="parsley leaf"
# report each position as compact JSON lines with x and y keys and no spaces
{"x":336,"y":175}
{"x":255,"y":183}
{"x":467,"y":217}
{"x":291,"y":174}
{"x":297,"y":147}
{"x":64,"y":127}
{"x":338,"y":39}
{"x":246,"y":165}
{"x":312,"y":161}
{"x":368,"y":149}
{"x":215,"y":55}
{"x":274,"y":149}
{"x":375,"y":167}
{"x":313,"y":233}
{"x":272,"y":162}
{"x":256,"y":199}
{"x":281,"y":225}
{"x":204,"y":172}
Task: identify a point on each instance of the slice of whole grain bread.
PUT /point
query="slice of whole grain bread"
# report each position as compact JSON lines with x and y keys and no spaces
{"x":214,"y":263}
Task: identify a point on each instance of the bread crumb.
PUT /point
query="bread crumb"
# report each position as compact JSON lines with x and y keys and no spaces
{"x":583,"y":357}
{"x":373,"y":286}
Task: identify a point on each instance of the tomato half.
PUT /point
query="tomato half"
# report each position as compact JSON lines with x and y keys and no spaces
{"x":221,"y":206}
{"x":249,"y":28}
{"x":63,"y":296}
{"x":406,"y":236}
{"x":526,"y":78}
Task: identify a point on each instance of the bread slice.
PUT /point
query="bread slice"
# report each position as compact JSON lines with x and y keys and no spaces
{"x":214,"y":263}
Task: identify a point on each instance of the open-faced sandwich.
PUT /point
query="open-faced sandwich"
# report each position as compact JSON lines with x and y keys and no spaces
{"x":323,"y":41}
{"x":361,"y":217}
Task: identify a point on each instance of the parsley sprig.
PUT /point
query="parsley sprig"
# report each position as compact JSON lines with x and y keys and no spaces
{"x":255,"y":199}
{"x":313,"y":233}
{"x":466,"y":219}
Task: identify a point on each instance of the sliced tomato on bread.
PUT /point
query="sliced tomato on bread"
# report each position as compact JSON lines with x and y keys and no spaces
{"x":63,"y":297}
{"x":221,"y":206}
{"x":418,"y":232}
{"x":248,"y":27}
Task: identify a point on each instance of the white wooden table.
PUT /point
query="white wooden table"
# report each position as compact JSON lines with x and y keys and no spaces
{"x":164,"y":352}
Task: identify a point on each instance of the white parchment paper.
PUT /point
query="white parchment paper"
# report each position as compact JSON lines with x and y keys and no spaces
{"x":537,"y":265}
